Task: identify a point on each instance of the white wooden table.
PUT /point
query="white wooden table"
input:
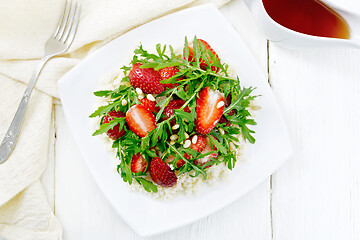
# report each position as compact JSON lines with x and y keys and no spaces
{"x":315,"y":195}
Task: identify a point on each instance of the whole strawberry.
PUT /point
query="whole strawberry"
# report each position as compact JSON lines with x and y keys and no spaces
{"x":169,"y":109}
{"x":168,"y":72}
{"x":223,"y":119}
{"x":198,"y":143}
{"x":227,"y":104}
{"x":161,"y":173}
{"x":114,"y":133}
{"x":203,"y":64}
{"x":151,"y":105}
{"x":147,"y":79}
{"x":179,"y":163}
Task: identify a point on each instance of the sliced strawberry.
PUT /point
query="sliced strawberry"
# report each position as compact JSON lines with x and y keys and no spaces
{"x":179,"y":163}
{"x":140,"y":120}
{"x":203,"y":64}
{"x":114,"y":133}
{"x":227,"y":103}
{"x":169,"y":109}
{"x":199,"y":146}
{"x":209,"y":147}
{"x":138,"y":163}
{"x":147,"y":79}
{"x":208,"y":110}
{"x":161,"y":173}
{"x":167,"y":73}
{"x":151,"y":105}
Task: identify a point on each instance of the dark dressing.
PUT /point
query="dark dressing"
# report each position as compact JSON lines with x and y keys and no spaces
{"x":311,"y":17}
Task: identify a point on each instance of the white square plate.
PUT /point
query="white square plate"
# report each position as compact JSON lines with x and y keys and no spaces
{"x":145,"y":215}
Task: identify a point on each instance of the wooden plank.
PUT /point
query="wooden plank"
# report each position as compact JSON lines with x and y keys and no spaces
{"x":48,"y":177}
{"x":316,"y":194}
{"x":69,"y":182}
{"x":247,"y":218}
{"x":242,"y":20}
{"x":79,"y":204}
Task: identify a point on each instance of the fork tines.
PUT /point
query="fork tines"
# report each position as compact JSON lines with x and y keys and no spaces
{"x":67,"y":26}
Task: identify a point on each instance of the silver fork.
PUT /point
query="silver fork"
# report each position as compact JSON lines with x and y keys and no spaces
{"x":58,"y":43}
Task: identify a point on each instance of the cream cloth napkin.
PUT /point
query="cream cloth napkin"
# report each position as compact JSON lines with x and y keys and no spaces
{"x":25,"y":25}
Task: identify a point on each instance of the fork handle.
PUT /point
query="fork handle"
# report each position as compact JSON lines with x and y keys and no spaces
{"x":12,"y":133}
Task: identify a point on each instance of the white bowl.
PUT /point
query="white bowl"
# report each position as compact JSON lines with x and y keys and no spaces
{"x":292,"y":39}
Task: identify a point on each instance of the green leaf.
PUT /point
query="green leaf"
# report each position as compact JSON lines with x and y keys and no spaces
{"x":186,"y":49}
{"x":126,"y":173}
{"x":105,"y":127}
{"x":148,"y":186}
{"x":181,"y":94}
{"x":104,"y":109}
{"x":149,"y":65}
{"x":104,"y":93}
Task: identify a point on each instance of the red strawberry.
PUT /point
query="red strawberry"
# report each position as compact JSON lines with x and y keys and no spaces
{"x":114,"y":133}
{"x":224,"y":120}
{"x":199,"y":146}
{"x":169,"y":109}
{"x":203,"y":64}
{"x":140,"y":120}
{"x":161,"y":173}
{"x":179,"y":163}
{"x":209,"y":147}
{"x":147,"y":79}
{"x":208,"y":110}
{"x":138,"y":163}
{"x":227,"y":103}
{"x":167,"y":73}
{"x":151,"y":105}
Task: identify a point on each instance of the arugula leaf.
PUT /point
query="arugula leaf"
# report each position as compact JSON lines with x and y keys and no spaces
{"x":105,"y":127}
{"x":102,"y":93}
{"x":148,"y":186}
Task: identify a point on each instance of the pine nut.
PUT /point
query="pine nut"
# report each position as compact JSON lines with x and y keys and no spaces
{"x":221,"y":131}
{"x":174,"y":137}
{"x":176,"y":126}
{"x":194,"y":139}
{"x":123,"y":102}
{"x":187,"y":144}
{"x":141,"y":96}
{"x":150,"y":97}
{"x":138,"y":90}
{"x":220,"y":104}
{"x":186,"y":135}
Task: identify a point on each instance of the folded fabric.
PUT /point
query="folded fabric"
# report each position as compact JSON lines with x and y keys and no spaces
{"x":28,"y":216}
{"x":25,"y":26}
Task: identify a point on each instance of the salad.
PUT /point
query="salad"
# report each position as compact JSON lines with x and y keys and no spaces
{"x":175,"y":114}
